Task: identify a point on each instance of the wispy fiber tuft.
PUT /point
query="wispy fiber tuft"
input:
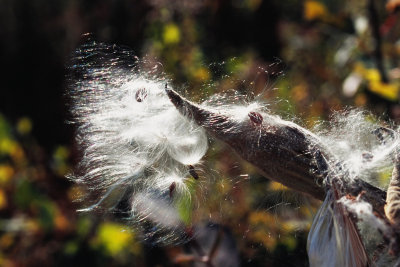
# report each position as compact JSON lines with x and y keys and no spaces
{"x":136,"y":148}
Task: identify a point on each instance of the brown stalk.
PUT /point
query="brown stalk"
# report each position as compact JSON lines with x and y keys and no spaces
{"x":374,"y":22}
{"x":392,"y":208}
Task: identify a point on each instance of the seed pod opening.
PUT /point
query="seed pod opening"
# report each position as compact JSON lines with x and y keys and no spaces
{"x":256,"y":117}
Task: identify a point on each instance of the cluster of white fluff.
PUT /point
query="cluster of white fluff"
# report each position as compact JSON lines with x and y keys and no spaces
{"x":235,"y":105}
{"x":364,"y":213}
{"x":359,"y":141}
{"x":136,"y":147}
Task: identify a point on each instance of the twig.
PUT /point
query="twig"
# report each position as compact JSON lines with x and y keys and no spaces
{"x":207,"y":259}
{"x":374,"y":21}
{"x":216,"y":244}
{"x":392,"y":207}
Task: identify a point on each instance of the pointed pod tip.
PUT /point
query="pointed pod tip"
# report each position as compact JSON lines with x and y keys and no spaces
{"x":175,"y":98}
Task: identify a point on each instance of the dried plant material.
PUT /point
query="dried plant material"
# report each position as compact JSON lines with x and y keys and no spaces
{"x":334,"y":239}
{"x":392,"y":207}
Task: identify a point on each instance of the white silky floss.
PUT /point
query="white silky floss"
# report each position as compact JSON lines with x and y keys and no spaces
{"x":133,"y":138}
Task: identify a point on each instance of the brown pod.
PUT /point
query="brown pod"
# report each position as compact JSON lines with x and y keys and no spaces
{"x":281,"y":150}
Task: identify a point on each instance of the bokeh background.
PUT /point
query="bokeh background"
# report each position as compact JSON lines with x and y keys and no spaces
{"x":309,"y":58}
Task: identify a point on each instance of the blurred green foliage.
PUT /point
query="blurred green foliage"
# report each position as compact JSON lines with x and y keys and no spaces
{"x":309,"y":59}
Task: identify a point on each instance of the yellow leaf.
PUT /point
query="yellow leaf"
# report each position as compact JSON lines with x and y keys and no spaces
{"x":61,"y":153}
{"x":290,"y":242}
{"x":6,"y":172}
{"x":6,"y":240}
{"x":388,"y":91}
{"x":261,"y":218}
{"x":24,"y":126}
{"x":314,"y":10}
{"x":268,"y":240}
{"x":32,"y":226}
{"x":61,"y":222}
{"x":3,"y":199}
{"x":171,"y":34}
{"x":372,"y":75}
{"x":274,"y":186}
{"x":7,"y":146}
{"x":201,"y":74}
{"x":115,"y":238}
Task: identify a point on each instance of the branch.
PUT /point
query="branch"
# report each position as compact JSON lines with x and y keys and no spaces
{"x":392,"y":208}
{"x":374,"y":21}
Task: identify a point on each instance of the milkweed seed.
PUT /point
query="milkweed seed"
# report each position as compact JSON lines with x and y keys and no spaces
{"x":193,"y":173}
{"x":255,"y":117}
{"x":367,"y":157}
{"x":141,"y":94}
{"x":172,"y":189}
